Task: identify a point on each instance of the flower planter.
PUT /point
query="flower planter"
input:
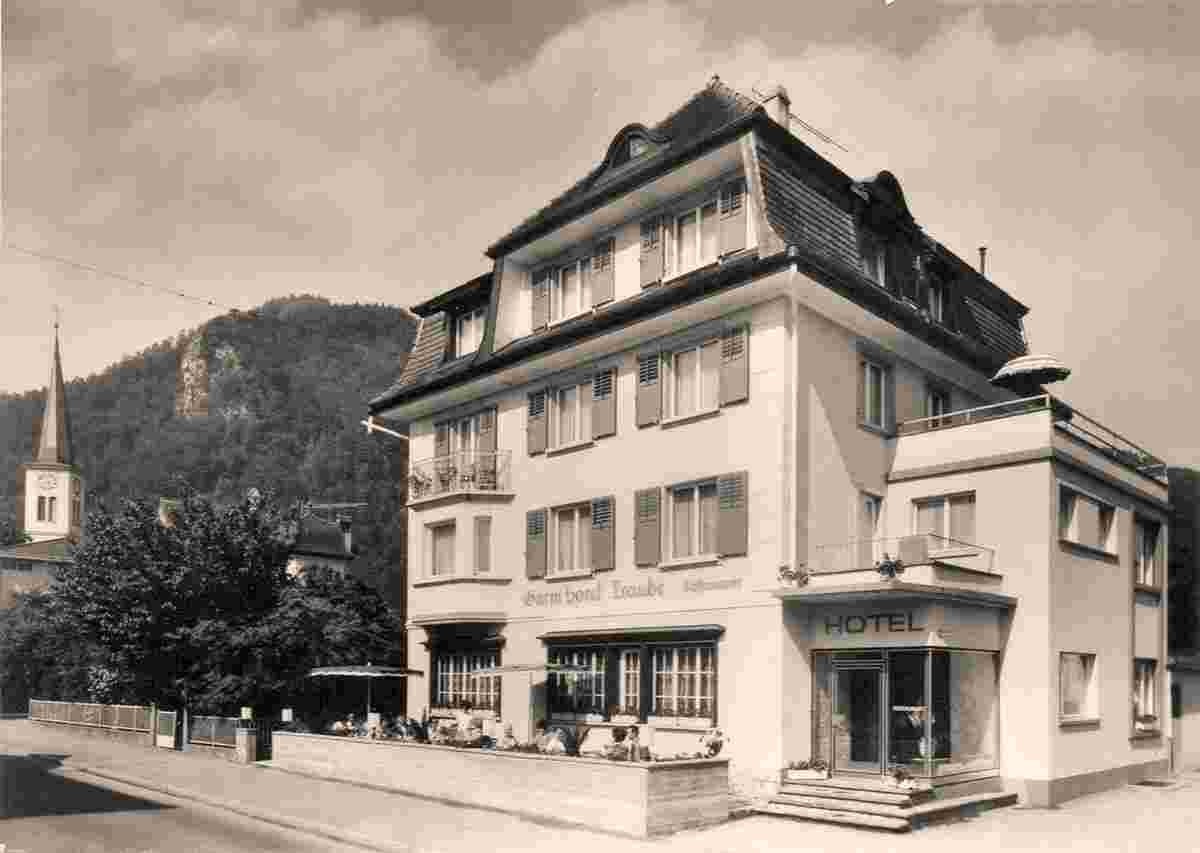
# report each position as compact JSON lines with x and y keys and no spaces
{"x":624,"y":719}
{"x":806,"y":775}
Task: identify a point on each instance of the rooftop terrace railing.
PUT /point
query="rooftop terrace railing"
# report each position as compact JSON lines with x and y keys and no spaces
{"x":914,"y":550}
{"x":1066,"y":418}
{"x":465,"y":471}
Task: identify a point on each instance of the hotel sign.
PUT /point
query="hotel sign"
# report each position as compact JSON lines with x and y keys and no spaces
{"x":889,"y":622}
{"x":613,"y":590}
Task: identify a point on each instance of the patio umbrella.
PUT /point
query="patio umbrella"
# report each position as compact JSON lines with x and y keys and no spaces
{"x":1025,"y":375}
{"x":368,"y":672}
{"x":531,"y":668}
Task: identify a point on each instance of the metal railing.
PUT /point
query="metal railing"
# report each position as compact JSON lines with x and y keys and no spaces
{"x":130,"y":718}
{"x":213,"y":731}
{"x":1066,"y":418}
{"x":465,"y":471}
{"x":919,"y":549}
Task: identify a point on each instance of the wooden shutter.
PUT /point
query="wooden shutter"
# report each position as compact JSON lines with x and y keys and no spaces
{"x":483,"y":543}
{"x":648,"y":401}
{"x":603,"y":534}
{"x":652,"y":252}
{"x":485,"y":464}
{"x":862,"y":391}
{"x":889,"y":398}
{"x":536,"y":423}
{"x":540,"y":300}
{"x":487,"y":430}
{"x":603,"y":277}
{"x":733,"y":216}
{"x":604,"y":404}
{"x":441,"y":440}
{"x":647,"y":546}
{"x":735,"y":366}
{"x":733,"y":516}
{"x":535,"y":543}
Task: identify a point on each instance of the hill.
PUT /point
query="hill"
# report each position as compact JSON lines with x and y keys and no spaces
{"x":287,"y":386}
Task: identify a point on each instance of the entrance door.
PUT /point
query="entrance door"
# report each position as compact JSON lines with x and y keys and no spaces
{"x":858,"y":718}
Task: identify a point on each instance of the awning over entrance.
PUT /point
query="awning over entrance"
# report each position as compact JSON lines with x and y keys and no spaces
{"x":896,"y":590}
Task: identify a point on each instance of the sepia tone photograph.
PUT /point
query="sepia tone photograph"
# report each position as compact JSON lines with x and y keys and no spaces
{"x":623,"y":425}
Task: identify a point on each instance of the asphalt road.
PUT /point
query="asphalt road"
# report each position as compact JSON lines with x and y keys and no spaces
{"x":46,"y":808}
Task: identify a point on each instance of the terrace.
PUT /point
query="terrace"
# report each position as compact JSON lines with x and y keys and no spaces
{"x":463,"y":474}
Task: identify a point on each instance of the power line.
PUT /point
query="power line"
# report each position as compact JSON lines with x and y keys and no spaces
{"x":116,"y":275}
{"x":824,"y":137}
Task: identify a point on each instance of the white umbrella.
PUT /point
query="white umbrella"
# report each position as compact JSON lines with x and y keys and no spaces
{"x":368,"y":672}
{"x":531,"y":668}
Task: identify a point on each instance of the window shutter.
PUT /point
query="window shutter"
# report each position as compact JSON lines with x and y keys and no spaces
{"x":536,"y":423}
{"x":649,"y":391}
{"x":889,"y":399}
{"x":483,"y":543}
{"x":733,"y":216}
{"x":441,"y":440}
{"x":652,"y":252}
{"x":604,"y":404}
{"x":733,"y":516}
{"x":603,"y":534}
{"x":541,"y":300}
{"x":603,"y":277}
{"x":485,"y":464}
{"x":647,"y":527}
{"x":735,"y":366}
{"x":862,"y":391}
{"x":487,"y":430}
{"x":535,"y":544}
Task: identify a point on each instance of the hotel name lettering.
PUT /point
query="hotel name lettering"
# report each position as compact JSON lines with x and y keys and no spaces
{"x":594,"y":593}
{"x":893,"y":622}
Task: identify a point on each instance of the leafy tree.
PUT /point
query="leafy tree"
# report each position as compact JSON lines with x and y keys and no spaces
{"x":10,"y":535}
{"x":42,"y":654}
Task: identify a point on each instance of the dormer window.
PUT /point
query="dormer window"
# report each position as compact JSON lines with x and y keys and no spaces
{"x":638,"y":147}
{"x":874,"y":258}
{"x":468,"y":331}
{"x":936,"y":298}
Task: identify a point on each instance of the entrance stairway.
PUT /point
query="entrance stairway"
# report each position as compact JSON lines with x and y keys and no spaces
{"x":869,"y":802}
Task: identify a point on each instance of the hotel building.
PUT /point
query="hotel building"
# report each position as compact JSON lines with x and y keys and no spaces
{"x":719,"y":427}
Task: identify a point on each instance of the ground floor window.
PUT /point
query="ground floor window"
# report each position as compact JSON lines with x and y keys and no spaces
{"x":684,"y":681}
{"x":1145,"y":695}
{"x":931,"y":712}
{"x":579,"y":692}
{"x":458,"y":685}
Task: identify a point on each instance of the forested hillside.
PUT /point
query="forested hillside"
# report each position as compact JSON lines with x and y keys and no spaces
{"x":288,"y":385}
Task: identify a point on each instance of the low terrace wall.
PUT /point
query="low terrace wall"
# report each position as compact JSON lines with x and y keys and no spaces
{"x":626,"y":798}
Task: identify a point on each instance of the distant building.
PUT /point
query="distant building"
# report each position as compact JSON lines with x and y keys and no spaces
{"x":1183,"y":639}
{"x":322,"y":543}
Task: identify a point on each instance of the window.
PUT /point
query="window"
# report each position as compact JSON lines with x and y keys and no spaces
{"x":692,"y":239}
{"x":457,"y":684}
{"x":1077,"y":687}
{"x":1145,"y":695}
{"x":577,"y":692}
{"x":693,"y":514}
{"x":937,"y":405}
{"x":874,"y":259}
{"x":694,"y":379}
{"x":1086,"y":521}
{"x":571,"y":539}
{"x":468,"y":332}
{"x":876,"y":406}
{"x":631,"y":683}
{"x":483,"y":544}
{"x":41,"y":509}
{"x":1146,"y":559}
{"x":51,"y":505}
{"x":570,"y":290}
{"x":870,"y":515}
{"x":441,"y":549}
{"x":936,"y":299}
{"x":571,"y":415}
{"x":684,"y":681}
{"x":951,"y":517}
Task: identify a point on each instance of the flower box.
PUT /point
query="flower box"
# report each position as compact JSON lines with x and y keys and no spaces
{"x":806,"y":775}
{"x":697,"y":723}
{"x":624,"y":719}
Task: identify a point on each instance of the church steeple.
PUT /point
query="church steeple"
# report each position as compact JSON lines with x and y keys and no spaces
{"x":54,"y":443}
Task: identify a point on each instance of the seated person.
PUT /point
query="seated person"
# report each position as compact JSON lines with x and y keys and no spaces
{"x":554,"y":743}
{"x":506,"y":740}
{"x":540,"y":737}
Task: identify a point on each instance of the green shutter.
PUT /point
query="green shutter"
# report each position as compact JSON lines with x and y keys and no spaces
{"x":604,"y":404}
{"x":603,"y":533}
{"x":647,"y":527}
{"x":535,"y":544}
{"x":733,"y":516}
{"x":735,"y":366}
{"x":536,"y":423}
{"x":648,"y":400}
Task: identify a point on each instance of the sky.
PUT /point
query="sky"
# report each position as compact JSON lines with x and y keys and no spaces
{"x":370,"y":150}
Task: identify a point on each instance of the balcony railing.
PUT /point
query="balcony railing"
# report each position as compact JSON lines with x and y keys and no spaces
{"x":919,"y":549}
{"x":1070,"y":420}
{"x":466,"y":471}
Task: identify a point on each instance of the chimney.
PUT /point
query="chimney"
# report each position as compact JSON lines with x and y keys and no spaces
{"x":779,"y":107}
{"x":983,"y":260}
{"x":347,"y":535}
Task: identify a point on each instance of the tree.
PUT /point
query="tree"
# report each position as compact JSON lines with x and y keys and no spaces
{"x":42,"y":655}
{"x":10,"y":535}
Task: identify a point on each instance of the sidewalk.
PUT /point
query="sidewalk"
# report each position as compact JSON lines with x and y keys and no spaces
{"x":1126,"y":819}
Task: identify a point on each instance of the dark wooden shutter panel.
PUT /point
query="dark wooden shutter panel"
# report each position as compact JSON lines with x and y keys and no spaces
{"x":733,"y":216}
{"x":604,"y":404}
{"x":536,"y":423}
{"x":541,"y":300}
{"x":647,"y":546}
{"x":862,"y":391}
{"x":603,"y":534}
{"x":735,"y":366}
{"x":649,"y":391}
{"x":603,"y":277}
{"x":733,"y":515}
{"x":652,"y":252}
{"x":535,"y":544}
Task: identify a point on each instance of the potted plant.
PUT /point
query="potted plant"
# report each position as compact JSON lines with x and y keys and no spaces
{"x":813,"y":768}
{"x":712,"y":741}
{"x":623,"y":716}
{"x":902,"y":779}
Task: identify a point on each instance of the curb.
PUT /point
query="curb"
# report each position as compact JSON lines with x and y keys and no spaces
{"x":321,"y":830}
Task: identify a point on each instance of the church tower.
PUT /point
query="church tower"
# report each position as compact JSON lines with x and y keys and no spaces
{"x":54,"y":494}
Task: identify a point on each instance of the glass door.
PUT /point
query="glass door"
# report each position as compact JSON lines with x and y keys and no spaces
{"x":858,"y":718}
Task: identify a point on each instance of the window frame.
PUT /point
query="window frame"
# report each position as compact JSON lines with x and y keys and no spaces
{"x":946,"y":501}
{"x":874,"y":254}
{"x":1146,"y":691}
{"x":1069,"y":532}
{"x":657,"y":709}
{"x":581,"y":266}
{"x":1090,"y":702}
{"x":935,"y":302}
{"x":695,"y":535}
{"x":673,"y":266}
{"x":481,"y":566}
{"x":475,"y":318}
{"x":885,"y":405}
{"x":582,"y":534}
{"x":583,"y":403}
{"x":431,"y":549}
{"x":935,"y":394}
{"x":1147,"y":576}
{"x":596,"y":675}
{"x":454,"y":685}
{"x":670,"y":379}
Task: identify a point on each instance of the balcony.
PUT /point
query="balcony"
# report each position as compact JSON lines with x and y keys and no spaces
{"x":1024,"y":426}
{"x":920,"y":558}
{"x":465,"y":474}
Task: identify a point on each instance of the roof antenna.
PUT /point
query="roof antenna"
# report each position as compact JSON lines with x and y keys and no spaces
{"x":983,"y":260}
